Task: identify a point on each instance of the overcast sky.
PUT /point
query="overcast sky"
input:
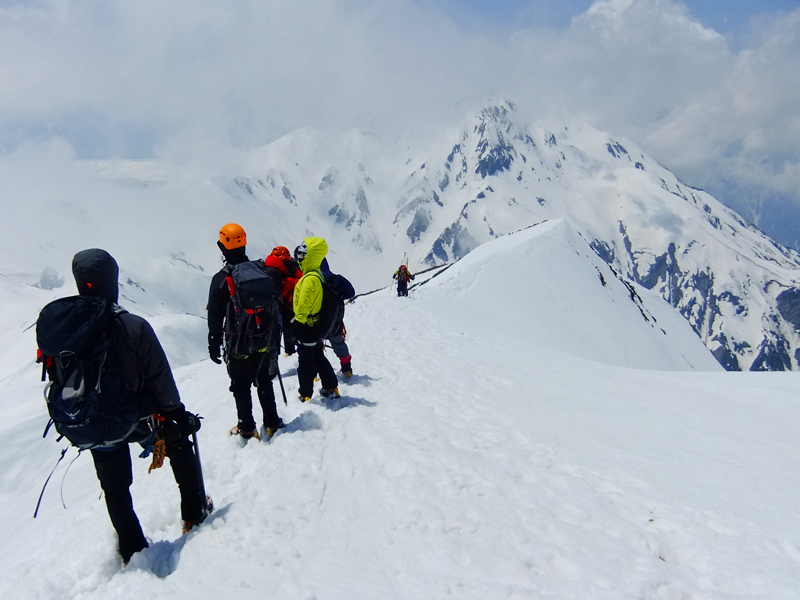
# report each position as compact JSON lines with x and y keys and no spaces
{"x":710,"y":89}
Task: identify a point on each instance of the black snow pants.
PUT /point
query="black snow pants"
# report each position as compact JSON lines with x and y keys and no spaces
{"x":114,"y":470}
{"x":258,"y":369}
{"x":311,"y":362}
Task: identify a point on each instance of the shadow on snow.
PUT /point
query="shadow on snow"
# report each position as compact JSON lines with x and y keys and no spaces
{"x":359,"y":379}
{"x":342,"y":402}
{"x":162,"y":558}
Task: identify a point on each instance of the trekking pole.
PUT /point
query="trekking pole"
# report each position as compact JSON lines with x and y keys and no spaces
{"x":280,"y":380}
{"x":199,"y":466}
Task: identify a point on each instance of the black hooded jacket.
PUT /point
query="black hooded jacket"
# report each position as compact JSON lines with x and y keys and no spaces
{"x":145,"y":368}
{"x":219,"y":295}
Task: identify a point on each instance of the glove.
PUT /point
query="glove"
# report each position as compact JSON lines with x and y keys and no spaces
{"x":190,"y":423}
{"x":215,"y":352}
{"x":215,"y":347}
{"x":187,"y":422}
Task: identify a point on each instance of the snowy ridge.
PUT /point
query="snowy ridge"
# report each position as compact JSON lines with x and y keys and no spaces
{"x":552,"y":276}
{"x":463,"y":460}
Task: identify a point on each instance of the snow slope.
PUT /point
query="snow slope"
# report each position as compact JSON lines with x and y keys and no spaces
{"x":462,"y":461}
{"x":548,"y":275}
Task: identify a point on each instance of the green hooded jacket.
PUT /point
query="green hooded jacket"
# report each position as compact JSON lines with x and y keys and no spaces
{"x":308,"y":292}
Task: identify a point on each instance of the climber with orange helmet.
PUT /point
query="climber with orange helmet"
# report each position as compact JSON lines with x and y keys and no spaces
{"x":232,"y":242}
{"x":258,"y":367}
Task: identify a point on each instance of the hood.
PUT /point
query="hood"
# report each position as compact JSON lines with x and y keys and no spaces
{"x":276,"y":263}
{"x":96,"y":274}
{"x":316,"y":249}
{"x":235,"y":256}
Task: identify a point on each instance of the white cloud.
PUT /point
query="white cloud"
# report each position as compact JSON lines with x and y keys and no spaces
{"x":245,"y":70}
{"x":722,"y":119}
{"x":199,"y":74}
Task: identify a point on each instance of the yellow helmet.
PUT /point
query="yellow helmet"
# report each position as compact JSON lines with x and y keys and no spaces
{"x":232,"y":236}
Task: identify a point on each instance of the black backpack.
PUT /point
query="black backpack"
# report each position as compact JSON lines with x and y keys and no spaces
{"x":341,"y":285}
{"x":331,"y":314}
{"x":253,"y":320}
{"x":88,"y":402}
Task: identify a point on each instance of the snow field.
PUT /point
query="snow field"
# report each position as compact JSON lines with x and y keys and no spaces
{"x":466,"y":458}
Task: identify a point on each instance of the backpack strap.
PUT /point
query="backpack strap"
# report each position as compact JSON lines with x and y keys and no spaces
{"x":319,"y":275}
{"x":39,"y":503}
{"x":231,"y":286}
{"x":224,"y":282}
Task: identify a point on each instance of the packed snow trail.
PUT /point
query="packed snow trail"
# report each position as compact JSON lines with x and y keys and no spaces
{"x":458,"y":463}
{"x":447,"y":471}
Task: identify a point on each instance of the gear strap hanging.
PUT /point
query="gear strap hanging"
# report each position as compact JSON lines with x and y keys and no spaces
{"x":159,"y":445}
{"x":39,"y":503}
{"x":159,"y":452}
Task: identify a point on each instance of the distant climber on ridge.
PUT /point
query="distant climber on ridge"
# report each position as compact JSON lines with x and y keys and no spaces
{"x":403,"y":276}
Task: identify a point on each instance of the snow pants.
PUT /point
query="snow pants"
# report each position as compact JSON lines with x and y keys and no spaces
{"x":289,"y":339}
{"x":114,"y":470}
{"x":340,"y":348}
{"x":258,"y":369}
{"x":311,"y":362}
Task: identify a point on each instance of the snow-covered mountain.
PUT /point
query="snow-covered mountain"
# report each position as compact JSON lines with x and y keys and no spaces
{"x":378,"y":200}
{"x":739,"y":289}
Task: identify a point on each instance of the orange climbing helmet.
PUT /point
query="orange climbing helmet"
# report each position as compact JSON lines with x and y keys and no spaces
{"x":281,"y":252}
{"x":232,"y":236}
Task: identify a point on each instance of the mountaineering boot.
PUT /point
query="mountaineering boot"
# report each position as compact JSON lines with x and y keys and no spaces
{"x":128,"y":552}
{"x":271,"y":431}
{"x":304,"y":398}
{"x":334,"y":393}
{"x":347,"y":369}
{"x":245,"y":434}
{"x":208,"y":508}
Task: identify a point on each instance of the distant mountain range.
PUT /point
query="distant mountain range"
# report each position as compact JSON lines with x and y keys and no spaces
{"x":739,"y":289}
{"x":379,"y":201}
